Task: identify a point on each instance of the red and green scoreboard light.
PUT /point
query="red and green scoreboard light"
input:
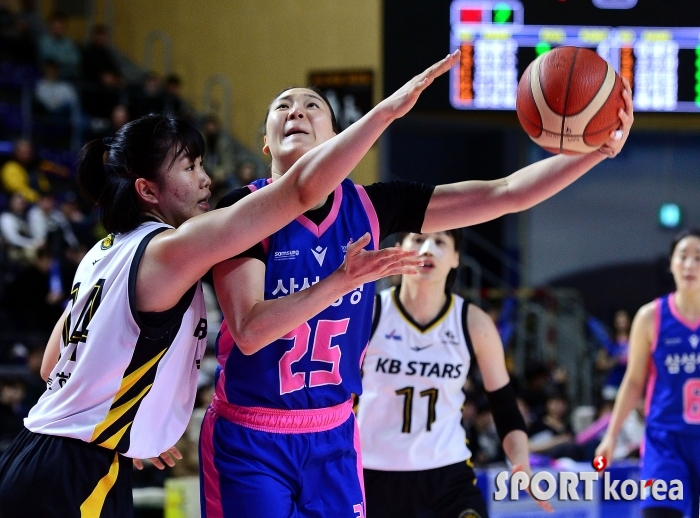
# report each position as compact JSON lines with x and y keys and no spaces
{"x":487,"y":12}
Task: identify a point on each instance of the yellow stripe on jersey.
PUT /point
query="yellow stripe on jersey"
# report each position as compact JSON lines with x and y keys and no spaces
{"x":113,"y":441}
{"x":130,"y":380}
{"x":432,"y":324}
{"x":92,"y":506}
{"x":116,"y":412}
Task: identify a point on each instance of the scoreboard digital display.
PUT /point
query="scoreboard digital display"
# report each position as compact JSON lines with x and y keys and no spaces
{"x":499,"y":39}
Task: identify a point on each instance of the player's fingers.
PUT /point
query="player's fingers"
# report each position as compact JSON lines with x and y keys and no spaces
{"x":403,"y":258}
{"x":626,"y":84}
{"x":175,"y":453}
{"x":167,"y":458}
{"x":443,"y":65}
{"x":357,"y":246}
{"x":436,"y":70}
{"x":157,"y":463}
{"x":138,"y":464}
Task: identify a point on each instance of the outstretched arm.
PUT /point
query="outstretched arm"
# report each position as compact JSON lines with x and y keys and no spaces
{"x":471,"y":202}
{"x":255,"y":322}
{"x":176,"y":259}
{"x":632,"y":386}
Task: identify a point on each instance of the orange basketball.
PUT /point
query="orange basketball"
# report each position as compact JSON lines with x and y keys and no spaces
{"x":568,"y":100}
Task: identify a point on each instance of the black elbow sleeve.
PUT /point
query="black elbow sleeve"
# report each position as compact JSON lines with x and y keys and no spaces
{"x":505,"y":411}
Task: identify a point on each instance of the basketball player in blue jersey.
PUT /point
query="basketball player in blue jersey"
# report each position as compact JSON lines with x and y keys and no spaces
{"x":664,"y":352}
{"x":121,"y":365}
{"x":279,"y":439}
{"x":424,"y":341}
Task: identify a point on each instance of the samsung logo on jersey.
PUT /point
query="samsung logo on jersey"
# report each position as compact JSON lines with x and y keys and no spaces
{"x":286,"y":255}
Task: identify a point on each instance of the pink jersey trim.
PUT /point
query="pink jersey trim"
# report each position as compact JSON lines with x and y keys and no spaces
{"x":657,"y":325}
{"x":210,"y":475}
{"x":651,"y":381}
{"x":225,"y":344}
{"x":360,"y":474}
{"x":328,"y":221}
{"x":371,"y":214}
{"x":693,"y":326}
{"x":224,"y":347}
{"x":275,"y":420}
{"x":265,"y":243}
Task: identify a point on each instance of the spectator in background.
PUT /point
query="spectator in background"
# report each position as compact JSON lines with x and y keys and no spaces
{"x":552,"y":434}
{"x":150,"y":98}
{"x":220,"y":158}
{"x":174,"y":103}
{"x":21,"y":42}
{"x":535,"y":391}
{"x":487,"y":443}
{"x":56,"y":46}
{"x":55,"y":95}
{"x":20,"y":245}
{"x":118,"y":117}
{"x":104,"y":88}
{"x":34,"y":298}
{"x":35,"y":384}
{"x":29,"y":15}
{"x":50,"y":227}
{"x":98,"y":59}
{"x":80,"y":223}
{"x":612,"y":357}
{"x":7,"y":17}
{"x":246,"y":172}
{"x":19,"y":174}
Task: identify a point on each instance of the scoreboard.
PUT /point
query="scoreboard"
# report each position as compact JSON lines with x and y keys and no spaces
{"x":498,"y":42}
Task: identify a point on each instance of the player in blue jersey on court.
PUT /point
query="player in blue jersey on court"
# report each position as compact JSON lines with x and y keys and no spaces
{"x":280,"y":439}
{"x":664,"y":352}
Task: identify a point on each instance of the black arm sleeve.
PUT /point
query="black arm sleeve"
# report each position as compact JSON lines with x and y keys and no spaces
{"x":505,"y":411}
{"x":400,"y":205}
{"x":256,"y":251}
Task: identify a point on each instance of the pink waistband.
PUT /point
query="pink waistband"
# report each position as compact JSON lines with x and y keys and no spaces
{"x":275,"y":420}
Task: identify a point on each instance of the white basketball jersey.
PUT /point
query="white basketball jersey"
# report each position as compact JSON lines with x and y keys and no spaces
{"x":118,"y":383}
{"x":410,"y":410}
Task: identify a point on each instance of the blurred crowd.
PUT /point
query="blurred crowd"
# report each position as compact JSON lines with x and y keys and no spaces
{"x":56,"y":93}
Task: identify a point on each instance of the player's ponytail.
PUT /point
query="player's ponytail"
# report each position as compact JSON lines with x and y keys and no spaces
{"x":145,"y":148}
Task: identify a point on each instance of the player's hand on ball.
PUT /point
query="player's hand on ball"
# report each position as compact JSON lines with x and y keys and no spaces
{"x":168,"y":457}
{"x":400,"y":102}
{"x":546,"y":506}
{"x":362,"y":266}
{"x":618,"y":138}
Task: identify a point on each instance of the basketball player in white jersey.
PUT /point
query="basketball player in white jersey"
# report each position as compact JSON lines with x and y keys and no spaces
{"x":121,"y":365}
{"x":424,"y":341}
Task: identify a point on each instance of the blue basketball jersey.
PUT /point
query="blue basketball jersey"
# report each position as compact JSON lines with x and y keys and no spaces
{"x":316,"y":365}
{"x":673,"y":388}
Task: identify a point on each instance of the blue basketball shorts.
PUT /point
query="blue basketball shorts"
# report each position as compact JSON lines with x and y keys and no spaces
{"x":671,"y":456}
{"x":280,"y":464}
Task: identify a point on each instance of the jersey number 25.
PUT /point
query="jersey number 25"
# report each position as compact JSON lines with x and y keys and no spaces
{"x":322,"y":350}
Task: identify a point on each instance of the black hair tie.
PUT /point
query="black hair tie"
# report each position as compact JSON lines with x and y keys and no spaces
{"x":107,"y":141}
